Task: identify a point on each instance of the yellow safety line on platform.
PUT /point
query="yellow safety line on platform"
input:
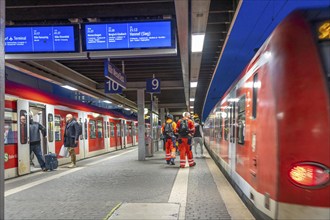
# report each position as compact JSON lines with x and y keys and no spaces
{"x":112,"y":211}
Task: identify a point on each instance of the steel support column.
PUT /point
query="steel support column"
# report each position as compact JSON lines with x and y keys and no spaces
{"x":141,"y":125}
{"x":2,"y":107}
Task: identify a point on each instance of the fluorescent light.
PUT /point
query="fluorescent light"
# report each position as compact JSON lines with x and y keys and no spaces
{"x":69,"y":88}
{"x":191,"y":106}
{"x":107,"y":101}
{"x":127,"y":109}
{"x":193,"y":84}
{"x":192,"y":99}
{"x":197,"y":42}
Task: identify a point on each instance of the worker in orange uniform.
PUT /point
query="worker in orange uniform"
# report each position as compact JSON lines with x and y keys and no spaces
{"x":168,"y":130}
{"x":186,"y":130}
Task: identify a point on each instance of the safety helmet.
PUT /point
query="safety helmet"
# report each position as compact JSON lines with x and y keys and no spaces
{"x":169,"y":116}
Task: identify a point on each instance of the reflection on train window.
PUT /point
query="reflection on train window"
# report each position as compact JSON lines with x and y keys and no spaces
{"x":118,"y":130}
{"x":227,"y":124}
{"x":241,"y":121}
{"x":133,"y":129}
{"x":23,"y":127}
{"x":112,"y":129}
{"x":50,"y":128}
{"x":221,"y":125}
{"x":99,"y":129}
{"x":125,"y":127}
{"x":57,"y":127}
{"x":105,"y":129}
{"x":108,"y":127}
{"x":10,"y":132}
{"x":85,"y":127}
{"x":80,"y":123}
{"x":256,"y":86}
{"x":92,"y":129}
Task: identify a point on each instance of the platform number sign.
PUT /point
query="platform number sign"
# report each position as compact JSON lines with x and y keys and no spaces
{"x":112,"y":87}
{"x":153,"y":85}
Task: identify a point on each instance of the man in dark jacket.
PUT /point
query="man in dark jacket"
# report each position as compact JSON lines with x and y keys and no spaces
{"x":35,"y":140}
{"x":71,"y":137}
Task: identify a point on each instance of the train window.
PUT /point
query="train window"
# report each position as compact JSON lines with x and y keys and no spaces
{"x":105,"y":130}
{"x":256,"y":85}
{"x":10,"y":134}
{"x":99,"y":129}
{"x":221,"y":126}
{"x":92,"y":129}
{"x":85,"y":127}
{"x":23,"y":127}
{"x":227,"y":114}
{"x":57,"y":127}
{"x":50,"y":128}
{"x":112,"y":129}
{"x":118,"y":130}
{"x":108,"y":127}
{"x":133,"y":129}
{"x":80,"y":123}
{"x":241,"y":120}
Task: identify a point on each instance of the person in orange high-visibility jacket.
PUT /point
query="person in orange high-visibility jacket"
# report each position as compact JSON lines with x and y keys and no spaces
{"x":168,"y":130}
{"x":186,"y":130}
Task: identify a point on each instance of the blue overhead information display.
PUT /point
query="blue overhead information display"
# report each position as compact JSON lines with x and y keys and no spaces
{"x":40,"y":39}
{"x":117,"y":36}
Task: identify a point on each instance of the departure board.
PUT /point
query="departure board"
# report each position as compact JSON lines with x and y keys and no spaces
{"x":132,"y":35}
{"x":41,"y":39}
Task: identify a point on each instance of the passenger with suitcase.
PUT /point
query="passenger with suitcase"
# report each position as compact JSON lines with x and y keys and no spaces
{"x":71,"y":137}
{"x":35,"y":146}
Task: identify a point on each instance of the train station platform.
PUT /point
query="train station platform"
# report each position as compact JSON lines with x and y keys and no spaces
{"x":118,"y":186}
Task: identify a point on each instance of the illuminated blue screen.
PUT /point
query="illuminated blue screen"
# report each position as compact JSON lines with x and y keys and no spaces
{"x":40,"y":39}
{"x":157,"y":34}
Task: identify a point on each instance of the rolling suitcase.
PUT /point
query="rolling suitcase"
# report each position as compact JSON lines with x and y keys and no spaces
{"x":51,"y":161}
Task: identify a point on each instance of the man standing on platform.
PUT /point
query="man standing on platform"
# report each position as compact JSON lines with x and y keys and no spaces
{"x":198,"y":137}
{"x":168,"y":129}
{"x":71,"y":137}
{"x":186,"y":130}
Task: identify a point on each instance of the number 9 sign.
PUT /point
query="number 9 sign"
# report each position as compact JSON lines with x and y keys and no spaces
{"x":153,"y":85}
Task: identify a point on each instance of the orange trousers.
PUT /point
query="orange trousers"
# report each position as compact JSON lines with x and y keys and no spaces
{"x":169,"y":149}
{"x":184,"y":148}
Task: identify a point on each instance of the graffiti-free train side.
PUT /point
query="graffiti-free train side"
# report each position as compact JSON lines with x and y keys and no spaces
{"x":270,"y":132}
{"x":103,"y":130}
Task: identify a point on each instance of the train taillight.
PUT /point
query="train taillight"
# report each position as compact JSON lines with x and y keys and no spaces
{"x":309,"y":175}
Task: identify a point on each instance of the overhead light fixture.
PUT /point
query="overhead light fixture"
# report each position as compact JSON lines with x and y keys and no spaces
{"x":193,"y":84}
{"x":145,"y":111}
{"x":107,"y":101}
{"x":192,"y":99}
{"x":120,"y":106}
{"x":69,"y":88}
{"x":127,"y":109}
{"x":197,"y":42}
{"x":191,"y":106}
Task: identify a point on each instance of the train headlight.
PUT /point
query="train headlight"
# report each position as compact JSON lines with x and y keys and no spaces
{"x":309,"y":175}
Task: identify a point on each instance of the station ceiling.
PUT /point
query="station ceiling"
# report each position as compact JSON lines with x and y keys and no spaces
{"x":214,"y":17}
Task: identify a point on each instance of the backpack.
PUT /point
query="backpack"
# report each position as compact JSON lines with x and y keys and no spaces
{"x":168,"y":130}
{"x":183,"y":129}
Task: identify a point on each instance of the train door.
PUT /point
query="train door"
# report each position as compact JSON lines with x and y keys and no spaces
{"x":133,"y":133}
{"x":43,"y":114}
{"x":118,"y":135}
{"x":232,"y":130}
{"x":106,"y":133}
{"x":129,"y":134}
{"x":82,"y":120}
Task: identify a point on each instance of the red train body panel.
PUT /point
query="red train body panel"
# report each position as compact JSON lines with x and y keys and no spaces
{"x":274,"y":124}
{"x":104,"y":123}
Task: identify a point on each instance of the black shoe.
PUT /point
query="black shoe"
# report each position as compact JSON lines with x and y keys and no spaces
{"x":168,"y":162}
{"x":194,"y":164}
{"x":172,"y":163}
{"x":44,"y":169}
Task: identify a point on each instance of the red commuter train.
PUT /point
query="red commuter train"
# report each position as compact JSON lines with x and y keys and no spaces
{"x":103,"y":130}
{"x":270,"y":132}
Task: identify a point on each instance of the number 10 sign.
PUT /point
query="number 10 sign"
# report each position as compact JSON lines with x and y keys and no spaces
{"x":153,"y":85}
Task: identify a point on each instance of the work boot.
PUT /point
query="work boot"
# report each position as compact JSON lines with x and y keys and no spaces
{"x":194,"y":164}
{"x":167,"y":161}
